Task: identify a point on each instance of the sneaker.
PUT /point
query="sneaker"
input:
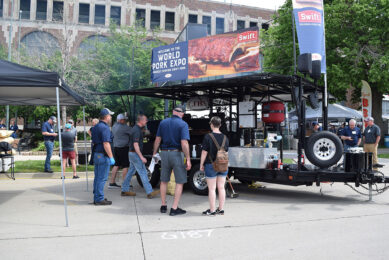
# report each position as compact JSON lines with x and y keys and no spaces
{"x":163,"y":209}
{"x":153,"y":194}
{"x":128,"y":193}
{"x":103,"y":203}
{"x":113,"y":185}
{"x":49,"y":171}
{"x":377,"y":165}
{"x":94,"y":202}
{"x":178,"y":211}
{"x":219,"y":212}
{"x":209,"y":213}
{"x":76,"y":177}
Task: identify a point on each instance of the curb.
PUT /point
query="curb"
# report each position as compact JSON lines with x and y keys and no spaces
{"x":40,"y":175}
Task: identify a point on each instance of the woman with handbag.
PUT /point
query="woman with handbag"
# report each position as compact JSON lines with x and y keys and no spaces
{"x":214,"y":161}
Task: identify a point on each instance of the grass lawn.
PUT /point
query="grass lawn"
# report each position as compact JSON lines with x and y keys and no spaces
{"x":38,"y":166}
{"x":288,"y":161}
{"x":383,"y":155}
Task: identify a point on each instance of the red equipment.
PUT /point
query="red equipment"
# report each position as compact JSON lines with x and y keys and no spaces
{"x":273,"y":112}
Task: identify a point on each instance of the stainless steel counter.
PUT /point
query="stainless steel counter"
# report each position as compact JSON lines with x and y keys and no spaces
{"x":250,"y":157}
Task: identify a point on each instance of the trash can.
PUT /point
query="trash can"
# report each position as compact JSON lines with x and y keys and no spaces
{"x":386,"y":141}
{"x":81,"y":157}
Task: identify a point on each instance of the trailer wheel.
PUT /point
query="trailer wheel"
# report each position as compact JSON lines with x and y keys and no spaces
{"x":323,"y":149}
{"x":197,"y":181}
{"x":154,"y":178}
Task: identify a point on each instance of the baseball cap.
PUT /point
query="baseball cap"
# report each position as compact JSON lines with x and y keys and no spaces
{"x":54,"y":119}
{"x":106,"y":111}
{"x":68,"y":126}
{"x":121,"y":117}
{"x":369,"y":118}
{"x":315,"y":123}
{"x":179,"y":108}
{"x":70,"y":121}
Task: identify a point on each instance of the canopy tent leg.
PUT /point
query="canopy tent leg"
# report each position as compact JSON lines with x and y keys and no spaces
{"x":60,"y":156}
{"x":86,"y":153}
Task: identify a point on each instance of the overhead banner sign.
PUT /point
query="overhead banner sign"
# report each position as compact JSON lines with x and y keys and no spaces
{"x":309,"y":17}
{"x":216,"y":55}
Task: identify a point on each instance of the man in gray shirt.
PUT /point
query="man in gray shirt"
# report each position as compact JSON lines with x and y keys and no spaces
{"x":121,"y":137}
{"x":68,"y":139}
{"x":371,"y":139}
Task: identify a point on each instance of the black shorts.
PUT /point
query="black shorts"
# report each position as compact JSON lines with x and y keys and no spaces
{"x":120,"y":154}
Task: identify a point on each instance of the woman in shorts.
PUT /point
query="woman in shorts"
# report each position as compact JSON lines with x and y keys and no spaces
{"x":214,"y":179}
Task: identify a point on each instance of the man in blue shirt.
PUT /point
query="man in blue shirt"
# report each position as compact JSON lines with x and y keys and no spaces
{"x":351,"y":135}
{"x":14,"y":127}
{"x":2,"y":125}
{"x":103,"y":158}
{"x":174,"y":134}
{"x":49,"y":137}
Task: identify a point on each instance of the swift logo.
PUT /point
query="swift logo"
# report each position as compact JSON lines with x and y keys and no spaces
{"x":248,"y":36}
{"x":309,"y":16}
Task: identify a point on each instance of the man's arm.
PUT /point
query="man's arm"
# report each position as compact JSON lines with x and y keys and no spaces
{"x":49,"y":134}
{"x":139,"y":153}
{"x":107,"y":148}
{"x":157,"y":143}
{"x":359,"y":141}
{"x":377,"y":140}
{"x":185,"y":149}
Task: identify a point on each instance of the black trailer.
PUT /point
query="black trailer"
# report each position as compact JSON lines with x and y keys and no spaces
{"x":323,"y":149}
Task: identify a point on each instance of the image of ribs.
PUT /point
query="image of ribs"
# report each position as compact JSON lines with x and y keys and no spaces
{"x":196,"y":67}
{"x":246,"y":61}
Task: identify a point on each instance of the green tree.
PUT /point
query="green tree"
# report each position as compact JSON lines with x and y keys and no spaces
{"x":357,"y":47}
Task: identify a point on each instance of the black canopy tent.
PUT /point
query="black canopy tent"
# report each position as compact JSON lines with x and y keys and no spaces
{"x":21,"y":85}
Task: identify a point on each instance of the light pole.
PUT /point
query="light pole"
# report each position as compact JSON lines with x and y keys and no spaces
{"x":19,"y":29}
{"x":9,"y":55}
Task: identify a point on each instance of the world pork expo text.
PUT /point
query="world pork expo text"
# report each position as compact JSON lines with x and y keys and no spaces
{"x":171,"y":55}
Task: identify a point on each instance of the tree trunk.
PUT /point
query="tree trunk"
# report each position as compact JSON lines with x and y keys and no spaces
{"x":63,"y":115}
{"x":376,"y":112}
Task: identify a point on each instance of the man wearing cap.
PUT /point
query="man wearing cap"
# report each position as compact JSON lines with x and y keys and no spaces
{"x":371,"y":139}
{"x":121,"y":137}
{"x":316,"y":127}
{"x":74,"y":131}
{"x":351,"y":135}
{"x":68,"y":137}
{"x":103,"y":158}
{"x":49,"y":137}
{"x":173,"y":136}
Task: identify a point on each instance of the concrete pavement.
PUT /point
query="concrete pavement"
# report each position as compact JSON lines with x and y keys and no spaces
{"x":278,"y":222}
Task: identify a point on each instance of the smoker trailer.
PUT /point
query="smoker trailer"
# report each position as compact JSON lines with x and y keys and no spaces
{"x":323,"y":149}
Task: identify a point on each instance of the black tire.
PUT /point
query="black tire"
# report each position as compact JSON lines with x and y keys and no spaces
{"x":154,"y":178}
{"x":323,"y":149}
{"x":197,"y":182}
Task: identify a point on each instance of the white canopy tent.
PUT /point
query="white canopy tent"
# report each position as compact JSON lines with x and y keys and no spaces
{"x":20,"y":85}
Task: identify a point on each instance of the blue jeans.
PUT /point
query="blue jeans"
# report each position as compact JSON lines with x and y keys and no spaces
{"x":102,"y":166}
{"x":49,"y":152}
{"x":136,"y":165}
{"x":210,"y":173}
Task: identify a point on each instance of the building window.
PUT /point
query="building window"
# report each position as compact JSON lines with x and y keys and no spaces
{"x":83,"y":13}
{"x":155,"y":20}
{"x":253,"y":24}
{"x":88,"y":46}
{"x":240,"y":24}
{"x":1,"y":8}
{"x":41,"y":10}
{"x":57,"y":11}
{"x":140,"y":17}
{"x":192,"y":18}
{"x":169,"y":21}
{"x":115,"y":14}
{"x":219,"y":25}
{"x":207,"y":21}
{"x":99,"y":14}
{"x":40,"y":43}
{"x":25,"y":8}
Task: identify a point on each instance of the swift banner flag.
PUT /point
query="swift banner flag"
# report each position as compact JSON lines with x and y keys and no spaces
{"x":217,"y":55}
{"x":309,"y":17}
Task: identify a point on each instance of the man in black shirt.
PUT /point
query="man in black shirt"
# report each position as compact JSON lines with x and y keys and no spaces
{"x":68,"y":138}
{"x":138,"y":161}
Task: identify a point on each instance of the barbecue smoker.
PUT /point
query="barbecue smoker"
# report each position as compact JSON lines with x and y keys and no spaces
{"x":238,"y":98}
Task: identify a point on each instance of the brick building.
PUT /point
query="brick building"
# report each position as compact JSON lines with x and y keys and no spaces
{"x":44,"y":25}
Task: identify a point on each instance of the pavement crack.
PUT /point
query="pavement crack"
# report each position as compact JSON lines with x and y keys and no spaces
{"x":140,"y":231}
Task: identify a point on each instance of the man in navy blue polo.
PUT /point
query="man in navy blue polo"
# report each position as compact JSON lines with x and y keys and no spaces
{"x":103,"y":158}
{"x":49,"y":137}
{"x":174,"y":134}
{"x":351,"y":135}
